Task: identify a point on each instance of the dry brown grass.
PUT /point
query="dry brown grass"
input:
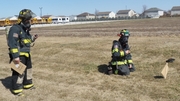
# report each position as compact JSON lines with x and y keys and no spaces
{"x":69,"y":61}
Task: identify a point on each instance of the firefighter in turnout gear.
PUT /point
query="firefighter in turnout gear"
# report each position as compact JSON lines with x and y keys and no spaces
{"x":118,"y":64}
{"x":124,"y":36}
{"x":19,"y":41}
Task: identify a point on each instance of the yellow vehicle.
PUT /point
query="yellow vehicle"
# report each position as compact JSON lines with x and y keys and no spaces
{"x":46,"y":19}
{"x":2,"y":23}
{"x":36,"y":20}
{"x":33,"y":21}
{"x":8,"y":21}
{"x":5,"y":22}
{"x":43,"y":21}
{"x":49,"y":20}
{"x":13,"y":22}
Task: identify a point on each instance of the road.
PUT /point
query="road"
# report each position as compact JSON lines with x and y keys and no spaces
{"x":60,"y":24}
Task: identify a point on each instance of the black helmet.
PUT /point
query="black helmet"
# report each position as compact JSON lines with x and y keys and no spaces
{"x":26,"y":14}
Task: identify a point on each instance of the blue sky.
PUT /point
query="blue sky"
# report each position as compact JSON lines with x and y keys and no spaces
{"x":75,"y":7}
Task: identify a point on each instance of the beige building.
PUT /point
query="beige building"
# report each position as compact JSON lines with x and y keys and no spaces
{"x":85,"y":15}
{"x":108,"y":14}
{"x":154,"y":12}
{"x":125,"y":13}
{"x":175,"y":10}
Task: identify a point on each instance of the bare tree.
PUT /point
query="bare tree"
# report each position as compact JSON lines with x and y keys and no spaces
{"x":144,"y":9}
{"x":167,"y":13}
{"x":96,"y":12}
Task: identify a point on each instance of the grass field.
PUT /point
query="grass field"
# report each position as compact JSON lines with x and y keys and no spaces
{"x":69,"y":61}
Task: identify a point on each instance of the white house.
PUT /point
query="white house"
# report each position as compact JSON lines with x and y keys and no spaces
{"x":85,"y":15}
{"x":72,"y":17}
{"x":175,"y":10}
{"x":108,"y":14}
{"x":59,"y":19}
{"x":65,"y":19}
{"x":153,"y":12}
{"x":125,"y":13}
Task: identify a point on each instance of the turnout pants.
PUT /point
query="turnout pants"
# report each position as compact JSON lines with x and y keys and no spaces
{"x":122,"y":69}
{"x":25,"y":80}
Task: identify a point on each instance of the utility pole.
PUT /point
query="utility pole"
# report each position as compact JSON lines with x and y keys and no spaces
{"x":40,"y":11}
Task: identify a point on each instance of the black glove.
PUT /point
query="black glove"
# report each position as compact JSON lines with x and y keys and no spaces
{"x":170,"y":60}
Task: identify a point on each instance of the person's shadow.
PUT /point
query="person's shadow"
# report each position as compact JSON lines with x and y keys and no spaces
{"x":6,"y":82}
{"x":103,"y":68}
{"x":158,"y":77}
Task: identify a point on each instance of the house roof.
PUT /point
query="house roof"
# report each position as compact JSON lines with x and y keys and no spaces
{"x":73,"y":16}
{"x":123,"y":11}
{"x":175,"y":8}
{"x":46,"y":16}
{"x":2,"y":18}
{"x":16,"y":16}
{"x":13,"y":18}
{"x":85,"y":14}
{"x":154,"y":9}
{"x":9,"y":17}
{"x":38,"y":17}
{"x":61,"y":16}
{"x":103,"y":13}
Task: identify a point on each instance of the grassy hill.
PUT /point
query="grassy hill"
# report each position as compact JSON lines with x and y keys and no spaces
{"x":69,"y":61}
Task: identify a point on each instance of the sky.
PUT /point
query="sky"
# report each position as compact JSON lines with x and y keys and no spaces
{"x":75,"y":7}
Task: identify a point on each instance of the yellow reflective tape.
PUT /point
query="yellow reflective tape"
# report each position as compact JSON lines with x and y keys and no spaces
{"x":19,"y":20}
{"x":28,"y":86}
{"x":130,"y":61}
{"x":116,"y":71}
{"x":118,"y":63}
{"x":123,"y":31}
{"x":122,"y":53}
{"x":24,"y":13}
{"x":115,"y":50}
{"x":125,"y":61}
{"x":27,"y":41}
{"x":17,"y":91}
{"x":25,"y":54}
{"x":14,"y":50}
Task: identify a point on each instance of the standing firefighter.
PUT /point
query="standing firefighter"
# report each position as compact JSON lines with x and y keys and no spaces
{"x":124,"y":36}
{"x":118,"y":63}
{"x":19,"y":41}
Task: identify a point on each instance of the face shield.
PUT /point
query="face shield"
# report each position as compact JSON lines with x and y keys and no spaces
{"x":123,"y":39}
{"x":127,"y":35}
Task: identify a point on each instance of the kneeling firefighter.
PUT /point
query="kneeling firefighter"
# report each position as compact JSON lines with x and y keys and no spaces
{"x":118,"y":62}
{"x":124,"y":36}
{"x":19,"y":41}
